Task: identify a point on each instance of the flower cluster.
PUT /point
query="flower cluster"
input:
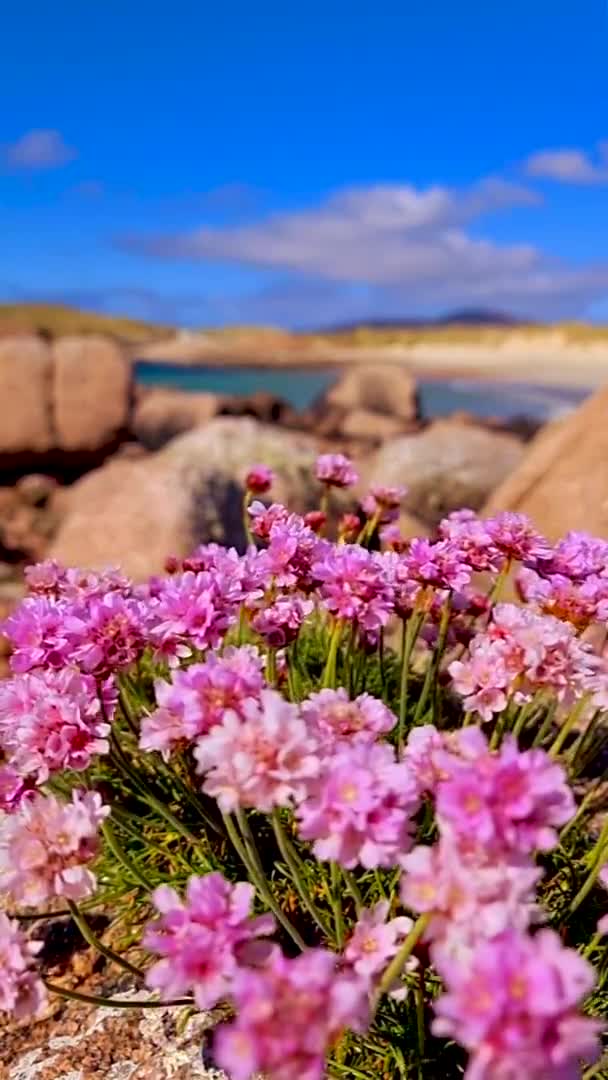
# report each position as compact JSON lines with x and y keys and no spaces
{"x":396,"y":846}
{"x":22,"y":992}
{"x":46,"y":846}
{"x":519,"y":654}
{"x":203,"y":940}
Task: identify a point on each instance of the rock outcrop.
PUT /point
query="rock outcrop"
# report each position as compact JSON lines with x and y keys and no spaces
{"x":134,"y":513}
{"x":161,"y":414}
{"x":90,"y":392}
{"x":446,"y":466}
{"x":26,"y":422}
{"x":562,"y":481}
{"x":388,"y":389}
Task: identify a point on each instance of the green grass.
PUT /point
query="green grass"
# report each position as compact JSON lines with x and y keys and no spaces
{"x":56,"y":320}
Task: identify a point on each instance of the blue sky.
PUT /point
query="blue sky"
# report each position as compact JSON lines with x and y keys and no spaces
{"x":308,"y":163}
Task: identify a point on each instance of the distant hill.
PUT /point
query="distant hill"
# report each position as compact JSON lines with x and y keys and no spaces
{"x":465,"y":317}
{"x":55,"y":320}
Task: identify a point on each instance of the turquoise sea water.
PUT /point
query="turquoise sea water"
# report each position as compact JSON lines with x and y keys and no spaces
{"x":438,"y":397}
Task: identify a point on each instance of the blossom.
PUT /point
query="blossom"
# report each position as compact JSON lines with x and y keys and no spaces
{"x":259,"y":479}
{"x":508,"y":801}
{"x":192,"y":610}
{"x":336,"y":470}
{"x":316,"y":520}
{"x":202,"y":940}
{"x":438,"y":563}
{"x":354,"y":585}
{"x":331,"y":715}
{"x":514,"y":1007}
{"x":471,"y":537}
{"x":469,"y":898}
{"x":577,"y":556}
{"x":40,"y":631}
{"x":515,"y":537}
{"x":109,"y":634}
{"x":279,"y":624}
{"x":46,"y":845}
{"x":520,"y":653}
{"x":52,"y":720}
{"x":13,"y":789}
{"x":264,"y":517}
{"x":289,"y":1015}
{"x":393,"y":539}
{"x":349,"y":527}
{"x":359,"y":808}
{"x":382,"y":503}
{"x":261,"y":759}
{"x":374,"y":940}
{"x":199,"y":696}
{"x":22,"y":993}
{"x":420,"y":754}
{"x":291,"y":552}
{"x":576,"y":602}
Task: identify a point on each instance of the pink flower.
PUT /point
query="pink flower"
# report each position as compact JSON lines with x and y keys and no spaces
{"x":264,"y":517}
{"x":393,"y":539}
{"x":359,"y":809}
{"x":53,"y":720}
{"x":40,"y":631}
{"x":22,"y":993}
{"x":204,"y":939}
{"x":439,"y":564}
{"x":519,"y":654}
{"x":332,"y":716}
{"x":505,"y":802}
{"x":576,"y":602}
{"x":291,"y":552}
{"x":470,"y":899}
{"x":420,"y":754}
{"x":199,"y":696}
{"x":354,"y":585}
{"x":515,"y":1009}
{"x":260,"y":759}
{"x":45,"y":848}
{"x":577,"y":556}
{"x":279,"y":624}
{"x":471,"y":538}
{"x":259,"y":479}
{"x":111,"y":635}
{"x":374,"y":941}
{"x":192,"y":610}
{"x":515,"y":537}
{"x":383,"y":503}
{"x":289,"y":1015}
{"x":336,"y":470}
{"x":12,"y":789}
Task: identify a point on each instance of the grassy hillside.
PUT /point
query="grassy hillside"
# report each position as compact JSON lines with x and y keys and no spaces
{"x":55,"y":320}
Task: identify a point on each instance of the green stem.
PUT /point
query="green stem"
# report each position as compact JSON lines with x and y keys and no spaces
{"x":258,"y":879}
{"x":397,"y":964}
{"x":353,"y":889}
{"x":124,"y":859}
{"x":420,"y":1020}
{"x":246,"y":518}
{"x":545,"y":726}
{"x":592,"y":946}
{"x":91,"y":939}
{"x":293,"y":863}
{"x":499,"y":729}
{"x":495,"y":594}
{"x":597,"y":859}
{"x":336,"y":903}
{"x":433,"y":667}
{"x":584,"y":806}
{"x":329,"y":675}
{"x":523,"y":715}
{"x":567,"y":726}
{"x":271,"y":667}
{"x":584,"y":737}
{"x":112,"y":1003}
{"x":127,"y":712}
{"x":409,"y":635}
{"x":147,"y":795}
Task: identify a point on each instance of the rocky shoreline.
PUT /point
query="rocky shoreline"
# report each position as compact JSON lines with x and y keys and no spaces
{"x":96,"y":470}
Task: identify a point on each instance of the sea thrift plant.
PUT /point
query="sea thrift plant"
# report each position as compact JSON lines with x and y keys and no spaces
{"x":335,"y":791}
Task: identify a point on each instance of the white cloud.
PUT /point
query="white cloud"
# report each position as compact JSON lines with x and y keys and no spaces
{"x":569,"y":166}
{"x":42,"y":148}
